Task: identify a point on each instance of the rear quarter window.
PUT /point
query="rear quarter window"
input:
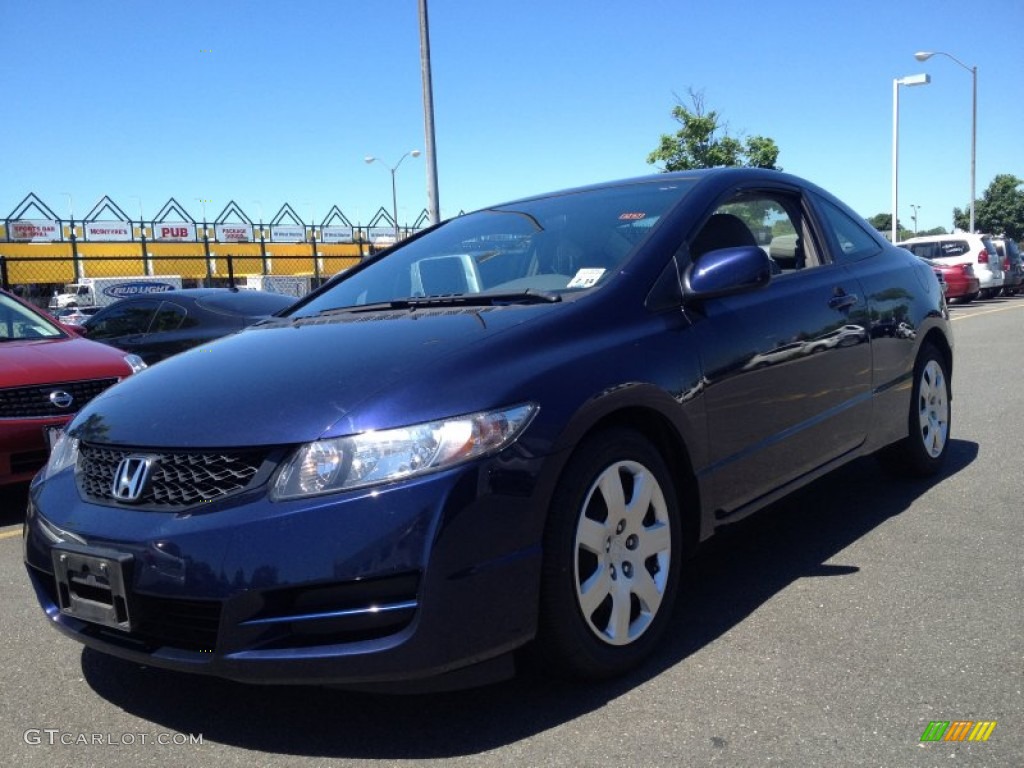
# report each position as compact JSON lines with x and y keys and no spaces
{"x":954,"y":248}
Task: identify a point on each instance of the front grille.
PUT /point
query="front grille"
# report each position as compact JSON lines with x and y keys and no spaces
{"x":34,"y":401}
{"x":179,"y":479}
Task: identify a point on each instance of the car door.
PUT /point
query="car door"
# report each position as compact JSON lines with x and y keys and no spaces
{"x":170,"y":332}
{"x":123,"y":324}
{"x":787,"y":367}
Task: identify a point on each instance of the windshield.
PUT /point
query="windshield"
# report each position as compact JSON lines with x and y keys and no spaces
{"x":19,"y":322}
{"x":543,"y":247}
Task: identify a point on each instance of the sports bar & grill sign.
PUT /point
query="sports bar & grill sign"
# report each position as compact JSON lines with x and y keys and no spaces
{"x":34,"y":230}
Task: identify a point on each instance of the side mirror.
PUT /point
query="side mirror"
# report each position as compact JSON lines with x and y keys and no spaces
{"x":726,"y":271}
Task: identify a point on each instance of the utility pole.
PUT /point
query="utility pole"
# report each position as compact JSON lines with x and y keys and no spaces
{"x":433,"y":206}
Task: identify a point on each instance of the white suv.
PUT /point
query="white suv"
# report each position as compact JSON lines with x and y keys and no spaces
{"x":962,"y":248}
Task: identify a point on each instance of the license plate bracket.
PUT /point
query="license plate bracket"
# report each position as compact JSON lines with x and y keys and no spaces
{"x":91,"y":585}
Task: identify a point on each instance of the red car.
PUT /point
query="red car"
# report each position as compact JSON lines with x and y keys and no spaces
{"x":46,"y":375}
{"x":960,"y":281}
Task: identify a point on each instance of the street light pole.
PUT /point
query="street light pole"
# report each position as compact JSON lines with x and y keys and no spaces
{"x":394,"y":194}
{"x":924,"y":56}
{"x":908,"y":81}
{"x":433,"y":209}
{"x":914,"y":217}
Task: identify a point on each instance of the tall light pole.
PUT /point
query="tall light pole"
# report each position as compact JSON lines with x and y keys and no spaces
{"x":433,"y":209}
{"x":394,"y":194}
{"x":908,"y":81}
{"x":924,"y":56}
{"x":915,"y":208}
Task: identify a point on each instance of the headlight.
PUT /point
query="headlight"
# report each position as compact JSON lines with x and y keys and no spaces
{"x":135,"y":362}
{"x":63,"y":455}
{"x":370,"y":458}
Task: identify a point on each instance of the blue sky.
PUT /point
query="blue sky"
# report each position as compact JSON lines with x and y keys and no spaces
{"x":280,"y":102}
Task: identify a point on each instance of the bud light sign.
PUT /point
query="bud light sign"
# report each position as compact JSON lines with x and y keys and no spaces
{"x":124,"y":290}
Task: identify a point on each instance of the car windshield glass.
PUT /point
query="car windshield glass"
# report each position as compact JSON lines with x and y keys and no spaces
{"x":546,"y":247}
{"x":19,"y":322}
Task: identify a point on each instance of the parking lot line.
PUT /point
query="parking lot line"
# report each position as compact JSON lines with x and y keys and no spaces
{"x":11,"y":533}
{"x":987,"y":312}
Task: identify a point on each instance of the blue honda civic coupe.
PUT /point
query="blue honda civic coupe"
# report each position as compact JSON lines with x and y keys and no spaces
{"x":508,"y":430}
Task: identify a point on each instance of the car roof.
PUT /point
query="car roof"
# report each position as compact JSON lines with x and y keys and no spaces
{"x":699,"y":174}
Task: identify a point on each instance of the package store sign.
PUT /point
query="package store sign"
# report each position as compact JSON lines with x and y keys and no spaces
{"x":233,"y":233}
{"x":108,"y":231}
{"x":336,"y":234}
{"x":287,"y":234}
{"x":34,"y":230}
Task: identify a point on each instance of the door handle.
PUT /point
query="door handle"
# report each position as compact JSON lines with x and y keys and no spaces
{"x":843,"y":301}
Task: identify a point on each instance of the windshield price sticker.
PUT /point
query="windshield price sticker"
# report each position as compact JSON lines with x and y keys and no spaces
{"x":585,"y":278}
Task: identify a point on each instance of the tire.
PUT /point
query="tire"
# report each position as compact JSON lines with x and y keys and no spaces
{"x":923,"y":452}
{"x":968,"y":298}
{"x":612,"y":558}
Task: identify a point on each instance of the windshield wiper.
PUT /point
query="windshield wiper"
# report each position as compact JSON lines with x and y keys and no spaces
{"x":453,"y":300}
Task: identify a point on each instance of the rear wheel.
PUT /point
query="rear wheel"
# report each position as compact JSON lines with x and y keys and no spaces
{"x":612,"y":552}
{"x":924,"y":449}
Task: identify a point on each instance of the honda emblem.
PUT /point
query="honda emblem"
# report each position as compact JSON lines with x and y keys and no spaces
{"x":131,"y":477}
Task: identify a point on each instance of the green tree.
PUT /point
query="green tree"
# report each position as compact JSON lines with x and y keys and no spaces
{"x":1000,"y":211}
{"x":883,"y":223}
{"x":702,"y":141}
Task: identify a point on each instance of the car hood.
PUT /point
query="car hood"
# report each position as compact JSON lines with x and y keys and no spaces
{"x":287,"y":382}
{"x":52,"y":361}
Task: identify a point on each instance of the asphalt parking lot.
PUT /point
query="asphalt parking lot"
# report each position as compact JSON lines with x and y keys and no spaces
{"x":829,"y":630}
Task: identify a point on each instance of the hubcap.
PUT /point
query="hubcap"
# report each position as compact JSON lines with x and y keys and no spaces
{"x":623,"y":553}
{"x":933,"y":409}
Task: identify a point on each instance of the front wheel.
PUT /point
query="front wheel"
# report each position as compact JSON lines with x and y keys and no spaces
{"x":612,"y":552}
{"x":924,"y":450}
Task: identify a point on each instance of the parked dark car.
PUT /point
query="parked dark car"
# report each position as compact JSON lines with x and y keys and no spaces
{"x":157,"y":326}
{"x":509,"y":428}
{"x":46,"y":375}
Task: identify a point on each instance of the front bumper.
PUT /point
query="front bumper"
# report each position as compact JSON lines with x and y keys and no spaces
{"x":404,"y":583}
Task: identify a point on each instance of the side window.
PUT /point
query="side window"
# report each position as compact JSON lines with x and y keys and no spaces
{"x":772,"y":221}
{"x":954,"y":248}
{"x":124,"y":320}
{"x":924,"y":250}
{"x":168,"y":318}
{"x":853,"y":240}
